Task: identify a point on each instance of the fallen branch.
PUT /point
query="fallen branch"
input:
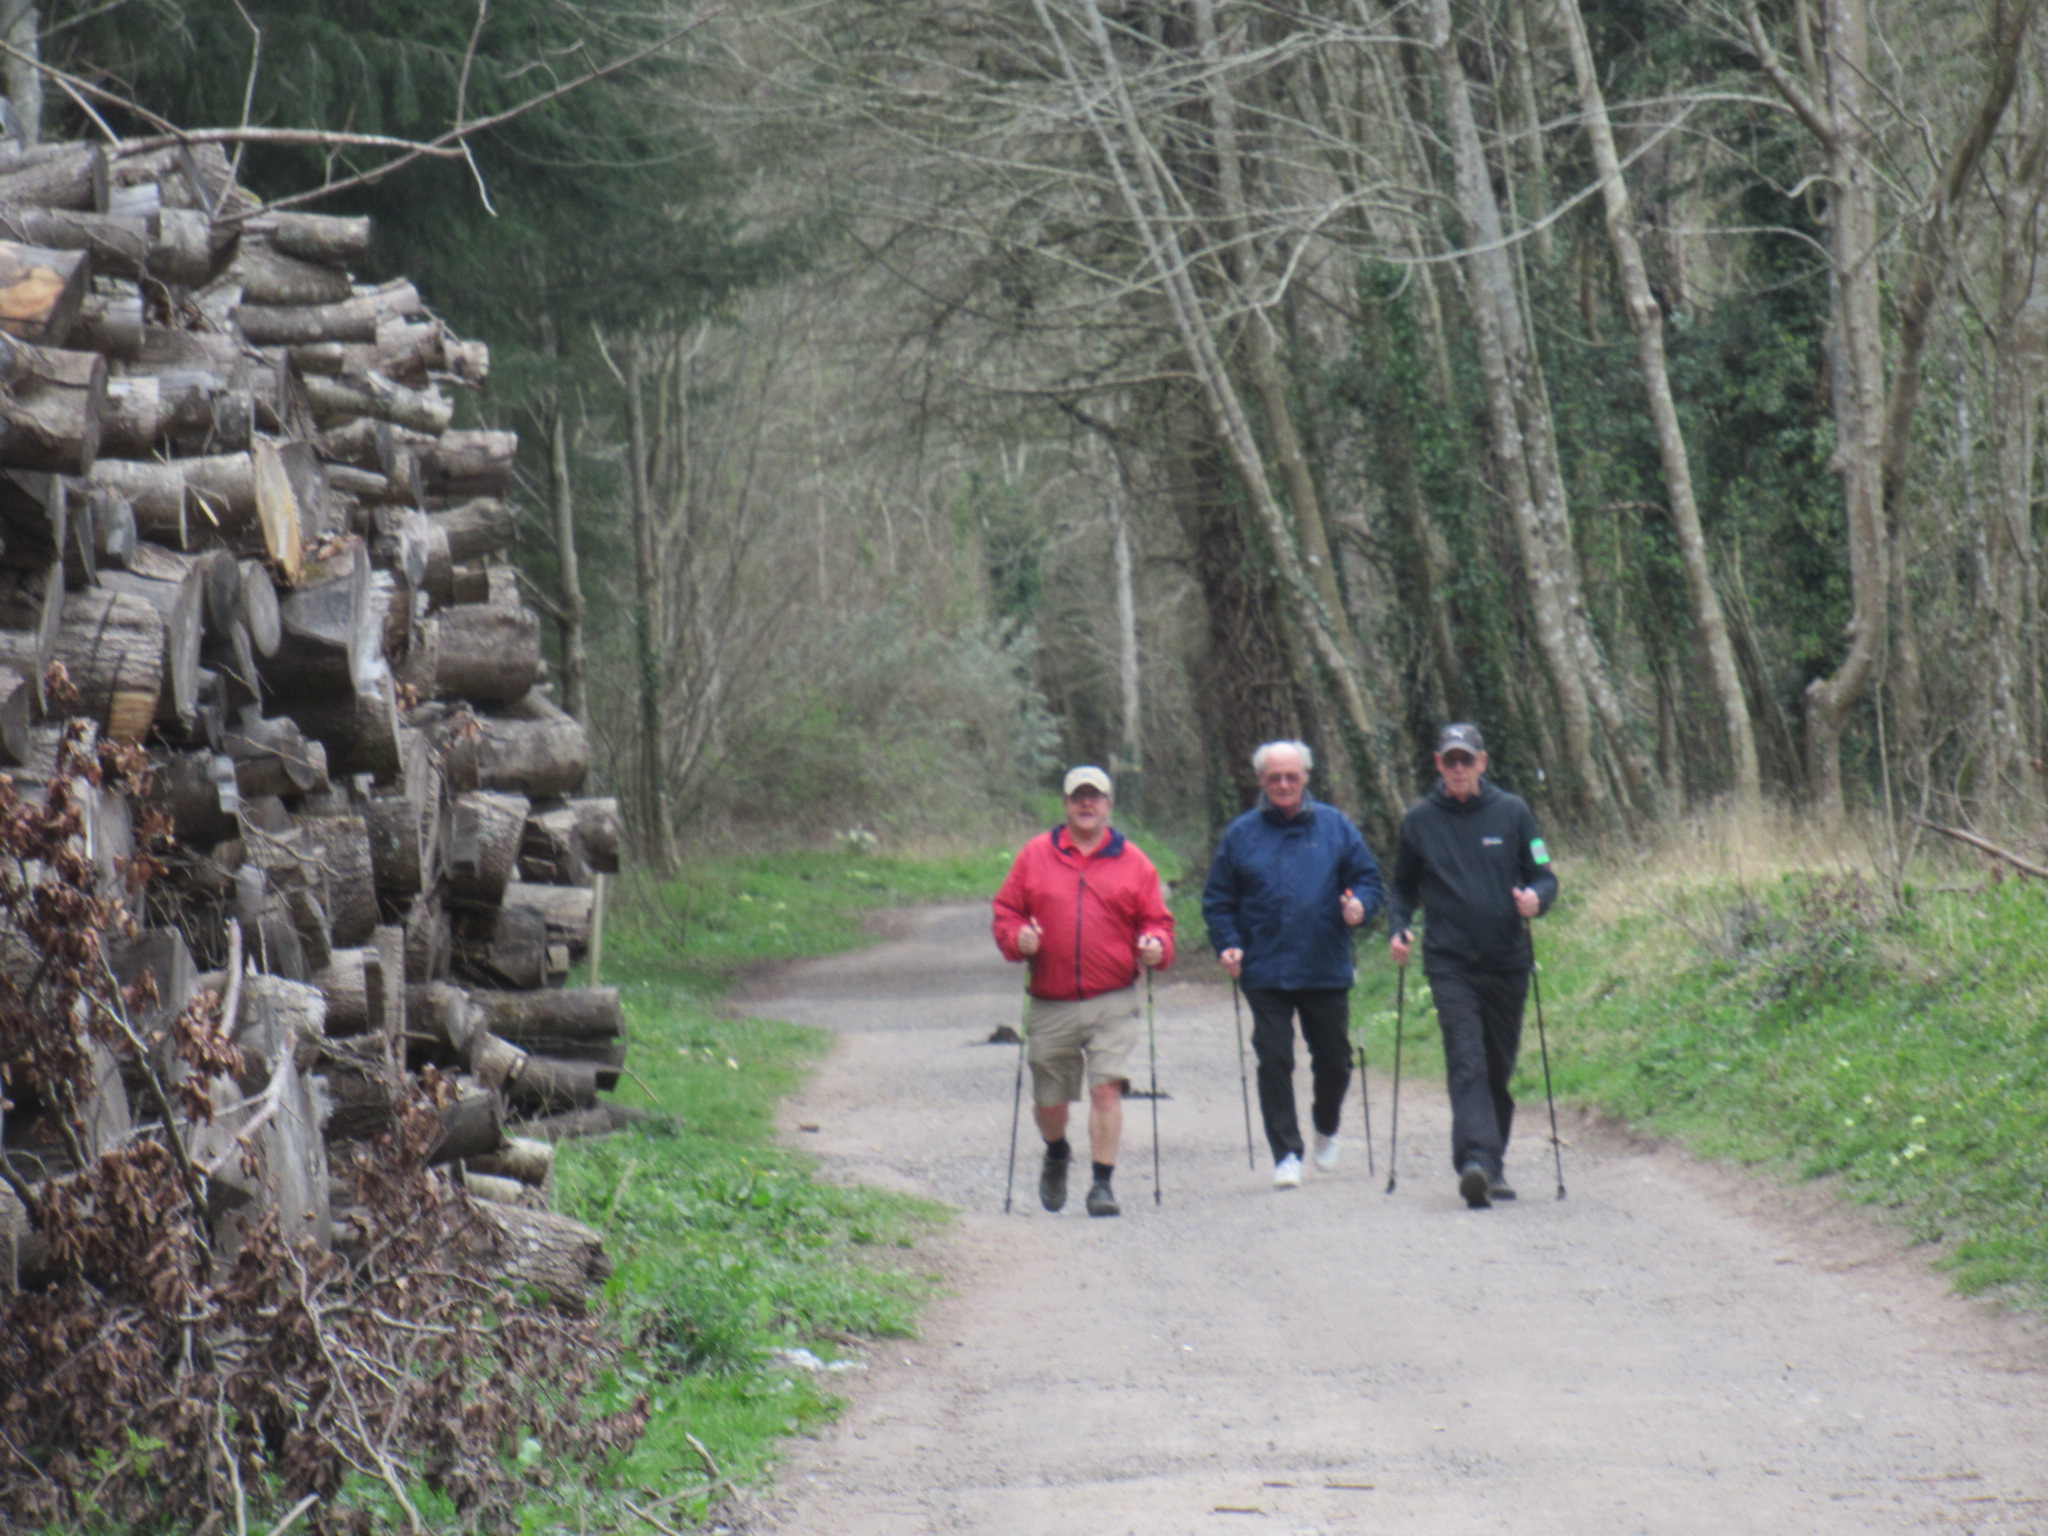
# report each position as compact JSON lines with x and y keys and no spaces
{"x":2024,"y":866}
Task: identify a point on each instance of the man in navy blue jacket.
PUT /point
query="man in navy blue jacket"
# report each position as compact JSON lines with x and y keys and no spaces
{"x":1290,"y":880}
{"x":1471,"y":858}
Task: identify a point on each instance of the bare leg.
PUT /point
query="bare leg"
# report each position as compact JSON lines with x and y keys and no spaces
{"x":1105,"y":1121}
{"x":1052,"y":1120}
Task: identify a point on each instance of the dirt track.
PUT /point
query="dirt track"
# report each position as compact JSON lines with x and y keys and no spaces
{"x":1671,"y":1349}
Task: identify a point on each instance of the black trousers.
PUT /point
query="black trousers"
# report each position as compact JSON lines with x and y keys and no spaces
{"x":1326,"y":1026}
{"x":1480,"y":1014}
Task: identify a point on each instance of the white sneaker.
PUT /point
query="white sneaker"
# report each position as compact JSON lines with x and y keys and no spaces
{"x":1288,"y":1174}
{"x":1327,"y":1150}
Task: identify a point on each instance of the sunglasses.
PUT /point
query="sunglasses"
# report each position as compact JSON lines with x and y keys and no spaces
{"x":1457,"y":759}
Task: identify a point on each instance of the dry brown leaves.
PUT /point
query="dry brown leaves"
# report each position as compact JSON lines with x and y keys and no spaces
{"x":148,"y":1378}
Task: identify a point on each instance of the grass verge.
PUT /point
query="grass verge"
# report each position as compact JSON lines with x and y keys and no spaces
{"x":1780,"y":1006}
{"x":731,"y":1255}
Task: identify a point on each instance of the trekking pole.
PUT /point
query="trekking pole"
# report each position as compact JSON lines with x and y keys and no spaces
{"x":1394,"y":1139}
{"x":1017,"y":1093}
{"x":1365,"y":1100}
{"x":1244,"y":1086}
{"x":1152,"y":1047}
{"x":1543,"y":1040}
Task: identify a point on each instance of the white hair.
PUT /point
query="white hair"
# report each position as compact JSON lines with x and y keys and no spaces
{"x":1298,"y":748}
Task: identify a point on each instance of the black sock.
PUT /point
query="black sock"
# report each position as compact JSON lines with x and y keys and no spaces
{"x":1103,"y":1171}
{"x":1058,"y":1151}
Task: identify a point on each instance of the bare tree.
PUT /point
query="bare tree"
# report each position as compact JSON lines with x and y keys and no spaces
{"x":1646,"y":319}
{"x":1874,"y":420}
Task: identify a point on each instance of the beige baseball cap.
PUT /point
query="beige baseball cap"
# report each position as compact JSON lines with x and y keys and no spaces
{"x":1086,"y":777}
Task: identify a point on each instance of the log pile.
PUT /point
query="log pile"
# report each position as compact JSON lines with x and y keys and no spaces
{"x":233,"y":507}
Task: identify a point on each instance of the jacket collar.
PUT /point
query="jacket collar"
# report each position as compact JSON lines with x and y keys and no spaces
{"x":1063,"y":842}
{"x":1442,"y":797}
{"x":1306,"y":813}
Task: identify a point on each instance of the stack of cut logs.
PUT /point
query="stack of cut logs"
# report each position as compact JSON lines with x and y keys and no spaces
{"x":232,"y":506}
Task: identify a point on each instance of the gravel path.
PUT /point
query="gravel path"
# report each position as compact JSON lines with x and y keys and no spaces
{"x":1673,"y":1348}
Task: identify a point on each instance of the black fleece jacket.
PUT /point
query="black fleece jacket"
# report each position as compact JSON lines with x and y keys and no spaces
{"x":1460,"y":860}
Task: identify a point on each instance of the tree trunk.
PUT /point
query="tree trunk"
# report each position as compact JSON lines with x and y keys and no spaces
{"x":1261,"y":355}
{"x":469,"y":464}
{"x":112,"y":648}
{"x":427,"y":411}
{"x":2011,"y":671}
{"x":319,"y":237}
{"x":270,"y":277}
{"x":51,"y":408}
{"x":24,"y":81}
{"x":353,"y":985}
{"x":41,"y":291}
{"x":562,"y":1022}
{"x":1841,"y":122}
{"x":1496,"y":313}
{"x":1646,"y":319}
{"x":484,"y":845}
{"x":174,"y":586}
{"x":535,"y":758}
{"x":472,"y":1126}
{"x":486,"y":652}
{"x":1154,"y":219}
{"x":1130,"y":762}
{"x":570,"y":843}
{"x":648,"y":618}
{"x":570,"y":606}
{"x":353,"y":317}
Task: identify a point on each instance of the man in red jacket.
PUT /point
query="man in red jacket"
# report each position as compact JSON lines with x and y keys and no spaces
{"x":1085,"y":908}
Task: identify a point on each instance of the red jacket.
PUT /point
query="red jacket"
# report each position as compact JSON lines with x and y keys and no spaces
{"x":1091,"y":908}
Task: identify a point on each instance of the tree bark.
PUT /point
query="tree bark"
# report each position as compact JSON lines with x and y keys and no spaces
{"x":463,"y":464}
{"x":269,"y":277}
{"x":1154,"y":220}
{"x":1496,"y":313}
{"x":570,"y":606}
{"x":556,"y":1022}
{"x":318,"y":237}
{"x":1841,"y":122}
{"x":112,"y":648}
{"x":649,"y":627}
{"x":1646,"y":319}
{"x":484,"y":845}
{"x":50,"y":412}
{"x":570,"y":843}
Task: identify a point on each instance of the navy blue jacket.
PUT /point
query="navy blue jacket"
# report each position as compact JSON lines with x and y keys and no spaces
{"x":1276,"y":889}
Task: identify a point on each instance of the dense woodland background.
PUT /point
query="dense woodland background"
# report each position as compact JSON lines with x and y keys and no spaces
{"x":915,"y":395}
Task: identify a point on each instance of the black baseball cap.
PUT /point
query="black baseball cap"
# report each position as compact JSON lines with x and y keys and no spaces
{"x":1461,"y":737}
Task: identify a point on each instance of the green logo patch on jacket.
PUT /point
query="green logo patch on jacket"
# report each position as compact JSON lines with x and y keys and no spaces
{"x":1537,"y":851}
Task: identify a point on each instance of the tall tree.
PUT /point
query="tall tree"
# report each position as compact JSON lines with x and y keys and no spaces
{"x":1646,"y":319}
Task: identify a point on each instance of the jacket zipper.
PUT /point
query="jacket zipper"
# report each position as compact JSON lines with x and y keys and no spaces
{"x":1080,"y":896}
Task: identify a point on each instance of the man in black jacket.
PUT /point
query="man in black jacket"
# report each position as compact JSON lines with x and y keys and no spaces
{"x":1471,"y":858}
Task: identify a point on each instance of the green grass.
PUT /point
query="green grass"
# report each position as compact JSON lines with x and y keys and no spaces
{"x":726,"y":1245}
{"x":1806,"y":1022}
{"x":721,"y":917}
{"x":1793,"y":1018}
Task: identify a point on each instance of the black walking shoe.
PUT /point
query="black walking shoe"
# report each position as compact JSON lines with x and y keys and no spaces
{"x":1052,"y":1182}
{"x":1101,"y":1202}
{"x":1473,"y":1184}
{"x":1500,"y":1189}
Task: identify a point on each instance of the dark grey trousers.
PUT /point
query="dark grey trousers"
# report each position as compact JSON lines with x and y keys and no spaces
{"x":1480,"y":1014}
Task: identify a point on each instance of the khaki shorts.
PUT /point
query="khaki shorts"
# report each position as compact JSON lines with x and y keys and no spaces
{"x":1104,"y":1029}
